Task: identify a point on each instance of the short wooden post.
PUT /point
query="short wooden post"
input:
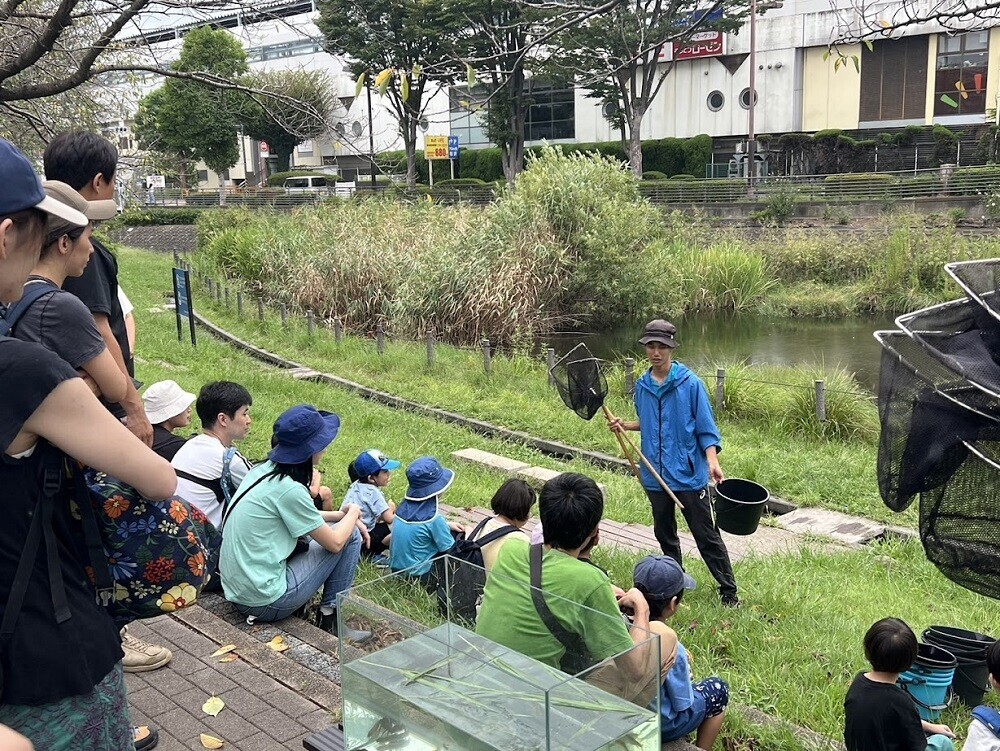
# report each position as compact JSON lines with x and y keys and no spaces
{"x":310,"y":322}
{"x":338,"y":330}
{"x":260,"y":309}
{"x":430,"y":349}
{"x":211,"y":292}
{"x":720,"y":389}
{"x":550,"y":362}
{"x":218,"y":291}
{"x":821,"y":401}
{"x":239,"y":303}
{"x":380,"y":339}
{"x":284,"y":315}
{"x":487,"y":357}
{"x":225,"y":291}
{"x":629,"y":376}
{"x":177,"y":259}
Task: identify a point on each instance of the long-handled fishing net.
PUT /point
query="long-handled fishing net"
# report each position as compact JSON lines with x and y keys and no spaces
{"x":583,"y":386}
{"x":939,"y":407}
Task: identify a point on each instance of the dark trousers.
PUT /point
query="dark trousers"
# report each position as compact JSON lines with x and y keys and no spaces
{"x":698,"y":513}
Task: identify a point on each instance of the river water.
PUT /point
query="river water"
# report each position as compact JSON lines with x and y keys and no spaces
{"x":708,"y":340}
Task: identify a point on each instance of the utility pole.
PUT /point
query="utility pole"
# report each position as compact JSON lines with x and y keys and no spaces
{"x":371,"y":131}
{"x":751,"y":135}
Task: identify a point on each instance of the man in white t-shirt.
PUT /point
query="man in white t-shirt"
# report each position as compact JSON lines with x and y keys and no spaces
{"x":202,"y":478}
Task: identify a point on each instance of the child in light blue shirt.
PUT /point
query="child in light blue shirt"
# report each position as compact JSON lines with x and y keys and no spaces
{"x":372,"y":469}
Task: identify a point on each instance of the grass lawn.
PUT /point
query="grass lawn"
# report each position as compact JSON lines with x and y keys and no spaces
{"x":806,"y":469}
{"x":791,"y":650}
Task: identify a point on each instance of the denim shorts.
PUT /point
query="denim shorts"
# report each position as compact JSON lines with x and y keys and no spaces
{"x":710,"y":699}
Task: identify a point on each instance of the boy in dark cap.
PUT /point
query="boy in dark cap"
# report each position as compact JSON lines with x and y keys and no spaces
{"x":681,"y":440}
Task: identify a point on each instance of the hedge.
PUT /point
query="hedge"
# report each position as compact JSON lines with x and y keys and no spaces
{"x":461,"y":181}
{"x":653,"y":175}
{"x":858,"y":185}
{"x":970,"y":181}
{"x":155,"y":217}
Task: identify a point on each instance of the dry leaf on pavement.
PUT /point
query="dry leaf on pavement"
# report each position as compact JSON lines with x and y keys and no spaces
{"x":228,"y":657}
{"x":223,"y":650}
{"x":278,"y":644}
{"x":213,"y":706}
{"x":210,"y":741}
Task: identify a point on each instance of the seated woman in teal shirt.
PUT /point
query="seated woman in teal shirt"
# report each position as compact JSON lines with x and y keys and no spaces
{"x":263,"y":572}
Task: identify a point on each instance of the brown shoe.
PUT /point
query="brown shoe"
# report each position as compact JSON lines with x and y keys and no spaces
{"x":141,"y":656}
{"x":146,"y":738}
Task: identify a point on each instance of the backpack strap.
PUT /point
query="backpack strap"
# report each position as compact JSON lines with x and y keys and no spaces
{"x":103,"y":582}
{"x":496,"y":534}
{"x":552,"y":623}
{"x":214,"y":485}
{"x":226,"y":481}
{"x":989,"y":717}
{"x":228,"y":509}
{"x":33,"y":290}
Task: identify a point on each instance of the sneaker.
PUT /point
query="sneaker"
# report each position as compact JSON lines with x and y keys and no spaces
{"x":145,"y":737}
{"x":328,"y":622}
{"x":730,"y":600}
{"x":140,"y":656}
{"x":381,"y":561}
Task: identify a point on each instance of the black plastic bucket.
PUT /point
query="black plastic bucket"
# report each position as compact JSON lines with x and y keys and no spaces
{"x":958,"y":638}
{"x":970,"y":682}
{"x":969,"y":647}
{"x":739,"y":505}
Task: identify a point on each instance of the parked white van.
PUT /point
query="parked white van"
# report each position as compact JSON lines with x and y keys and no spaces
{"x":308,"y":184}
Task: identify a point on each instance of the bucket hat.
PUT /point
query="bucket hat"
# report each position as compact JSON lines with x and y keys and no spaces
{"x":373,"y":461}
{"x":66,"y":195}
{"x":661,"y":576}
{"x":165,"y":399}
{"x":427,"y":478}
{"x":663,"y":332}
{"x":301,"y":432}
{"x":22,"y":189}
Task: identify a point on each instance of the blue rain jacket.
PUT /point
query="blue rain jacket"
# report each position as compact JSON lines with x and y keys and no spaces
{"x":677,"y":427}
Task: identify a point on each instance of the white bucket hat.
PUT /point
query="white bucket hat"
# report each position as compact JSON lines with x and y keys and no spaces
{"x":165,"y":399}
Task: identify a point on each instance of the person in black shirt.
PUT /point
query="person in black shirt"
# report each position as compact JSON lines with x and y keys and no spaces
{"x":87,"y":162}
{"x":880,"y":716}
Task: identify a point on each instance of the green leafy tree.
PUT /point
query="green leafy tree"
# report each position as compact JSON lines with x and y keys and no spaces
{"x":398,"y":47}
{"x":617,"y":55}
{"x":287,"y":108}
{"x":194,"y":119}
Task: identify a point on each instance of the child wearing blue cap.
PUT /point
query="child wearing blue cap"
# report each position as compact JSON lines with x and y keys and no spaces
{"x":685,"y":707}
{"x":419,"y":532}
{"x":372,"y":469}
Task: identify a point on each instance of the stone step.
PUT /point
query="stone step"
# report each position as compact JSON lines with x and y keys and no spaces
{"x":490,"y":461}
{"x":850,"y":530}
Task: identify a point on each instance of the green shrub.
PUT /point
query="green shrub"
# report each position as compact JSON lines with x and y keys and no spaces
{"x":697,"y":154}
{"x":653,"y":175}
{"x":157,"y":216}
{"x":456,"y":181}
{"x":278,"y":178}
{"x":945,"y":145}
{"x":921,"y":185}
{"x":682,"y":176}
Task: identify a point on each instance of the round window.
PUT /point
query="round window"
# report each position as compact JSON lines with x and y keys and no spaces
{"x":715,"y":101}
{"x":745,"y":99}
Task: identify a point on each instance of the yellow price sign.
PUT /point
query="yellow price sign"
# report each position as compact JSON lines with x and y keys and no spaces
{"x":435,"y":147}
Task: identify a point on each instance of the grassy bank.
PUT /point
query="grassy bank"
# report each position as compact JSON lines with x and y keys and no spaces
{"x":770,"y":432}
{"x":791,"y":650}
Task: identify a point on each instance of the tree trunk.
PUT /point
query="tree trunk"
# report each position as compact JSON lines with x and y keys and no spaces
{"x":634,"y":119}
{"x":513,"y":150}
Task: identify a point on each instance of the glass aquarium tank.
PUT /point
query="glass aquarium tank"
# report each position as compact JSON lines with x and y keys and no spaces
{"x":426,"y":681}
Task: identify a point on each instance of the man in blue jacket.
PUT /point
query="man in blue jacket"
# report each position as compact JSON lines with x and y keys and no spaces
{"x":680,"y":439}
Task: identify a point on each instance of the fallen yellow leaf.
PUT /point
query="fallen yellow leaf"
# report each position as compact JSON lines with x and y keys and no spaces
{"x":223,"y":650}
{"x":210,"y":741}
{"x":229,"y":657}
{"x":278,"y":644}
{"x":213,"y":706}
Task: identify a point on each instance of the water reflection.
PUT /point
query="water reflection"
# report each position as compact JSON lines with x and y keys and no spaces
{"x":707,"y":340}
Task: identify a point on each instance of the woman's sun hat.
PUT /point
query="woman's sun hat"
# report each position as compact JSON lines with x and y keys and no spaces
{"x":427,"y":478}
{"x":23,"y":189}
{"x":165,"y":399}
{"x":301,"y":432}
{"x":95,"y":211}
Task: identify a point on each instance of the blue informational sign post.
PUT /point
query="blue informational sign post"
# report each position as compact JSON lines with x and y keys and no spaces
{"x":183,"y":305}
{"x":453,"y":147}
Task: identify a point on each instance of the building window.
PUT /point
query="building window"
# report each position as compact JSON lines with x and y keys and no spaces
{"x":551,"y":116}
{"x":716,"y":100}
{"x":467,"y":112}
{"x":745,"y":99}
{"x":894,"y":80}
{"x":960,"y":76}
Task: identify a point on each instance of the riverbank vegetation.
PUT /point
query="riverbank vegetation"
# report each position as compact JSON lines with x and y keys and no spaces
{"x":793,"y":647}
{"x":574,"y":245}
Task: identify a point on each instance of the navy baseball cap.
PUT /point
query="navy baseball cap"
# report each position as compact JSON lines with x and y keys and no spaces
{"x":661,"y":576}
{"x":22,"y":189}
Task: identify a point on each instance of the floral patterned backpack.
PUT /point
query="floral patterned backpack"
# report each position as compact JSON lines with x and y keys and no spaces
{"x":157,"y":556}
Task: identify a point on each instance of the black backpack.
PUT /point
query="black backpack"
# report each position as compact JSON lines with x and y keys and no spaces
{"x":459,"y":574}
{"x":32,"y":292}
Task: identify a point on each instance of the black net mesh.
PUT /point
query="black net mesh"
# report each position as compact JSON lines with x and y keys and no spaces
{"x":580,"y":381}
{"x":960,"y":521}
{"x":980,"y":280}
{"x":962,"y":336}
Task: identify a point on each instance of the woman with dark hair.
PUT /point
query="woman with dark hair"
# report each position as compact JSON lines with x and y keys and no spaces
{"x":512,"y":505}
{"x":60,"y":652}
{"x":266,"y":572}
